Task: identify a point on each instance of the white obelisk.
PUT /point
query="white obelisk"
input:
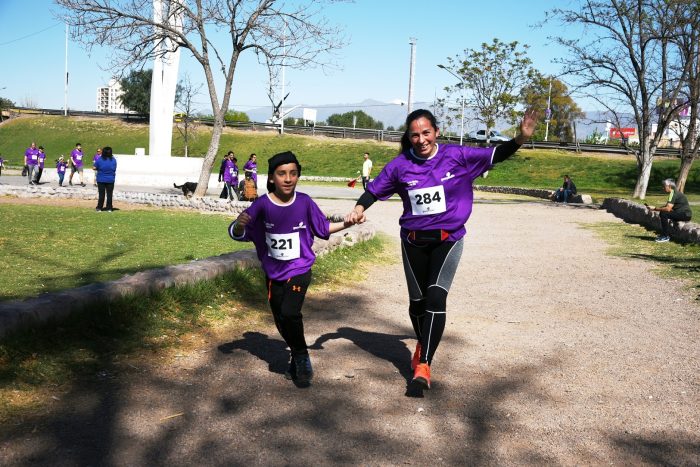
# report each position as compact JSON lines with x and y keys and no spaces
{"x":164,"y":83}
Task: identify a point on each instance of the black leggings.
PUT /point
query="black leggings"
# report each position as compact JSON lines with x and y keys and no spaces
{"x":429,"y":272}
{"x":103,"y":188}
{"x":286,"y":299}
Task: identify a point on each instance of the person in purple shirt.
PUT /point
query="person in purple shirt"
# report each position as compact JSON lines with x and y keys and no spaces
{"x":282,"y":226}
{"x":61,"y":169}
{"x":76,"y":159}
{"x":31,"y":160}
{"x":434,"y":183}
{"x":97,"y":155}
{"x":231,"y":176}
{"x":2,"y":164}
{"x":251,"y":168}
{"x":41,"y":158}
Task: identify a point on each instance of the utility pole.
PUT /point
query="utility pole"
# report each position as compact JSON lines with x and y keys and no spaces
{"x":548,"y":112}
{"x":65,"y":104}
{"x":412,"y":41}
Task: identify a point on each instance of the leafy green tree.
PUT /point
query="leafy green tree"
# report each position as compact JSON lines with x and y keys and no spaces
{"x":564,"y":109}
{"x":492,"y":80}
{"x":290,"y":121}
{"x":5,"y":104}
{"x":362,"y":120}
{"x":236,"y":116}
{"x":137,"y":91}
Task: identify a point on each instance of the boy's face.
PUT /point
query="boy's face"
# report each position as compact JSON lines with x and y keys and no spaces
{"x":285,"y":178}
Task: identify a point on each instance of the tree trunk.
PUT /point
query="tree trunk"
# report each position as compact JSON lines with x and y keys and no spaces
{"x":686,"y":164}
{"x":208,"y":161}
{"x":645,"y":161}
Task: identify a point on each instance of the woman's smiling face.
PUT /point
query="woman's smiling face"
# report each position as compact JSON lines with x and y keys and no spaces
{"x":423,"y":137}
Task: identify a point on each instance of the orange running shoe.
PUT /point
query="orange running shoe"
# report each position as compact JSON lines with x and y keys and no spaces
{"x":416,"y":357}
{"x":421,"y":375}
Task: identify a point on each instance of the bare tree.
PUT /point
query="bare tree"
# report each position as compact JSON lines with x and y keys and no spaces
{"x":492,"y":79}
{"x":688,"y":40}
{"x":621,"y":61}
{"x":185,"y":103}
{"x":292,"y":33}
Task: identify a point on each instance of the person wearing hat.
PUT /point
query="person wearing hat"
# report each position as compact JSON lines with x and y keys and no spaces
{"x":282,"y":225}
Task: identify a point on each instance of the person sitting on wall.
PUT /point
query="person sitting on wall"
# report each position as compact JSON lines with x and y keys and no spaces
{"x":676,"y":209}
{"x":563,"y":193}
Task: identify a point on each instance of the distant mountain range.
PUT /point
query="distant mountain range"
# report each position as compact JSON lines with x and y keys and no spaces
{"x":394,"y":115}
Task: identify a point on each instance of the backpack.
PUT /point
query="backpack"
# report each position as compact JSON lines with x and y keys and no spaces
{"x":249,"y":190}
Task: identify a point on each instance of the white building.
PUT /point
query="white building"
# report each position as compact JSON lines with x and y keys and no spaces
{"x":107,"y":98}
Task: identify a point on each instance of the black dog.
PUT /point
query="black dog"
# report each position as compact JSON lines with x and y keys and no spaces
{"x":188,"y":188}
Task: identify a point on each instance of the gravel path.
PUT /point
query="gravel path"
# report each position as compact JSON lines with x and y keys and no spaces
{"x":554,"y":353}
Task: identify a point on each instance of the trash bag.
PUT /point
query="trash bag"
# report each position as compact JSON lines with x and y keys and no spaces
{"x":25,"y":170}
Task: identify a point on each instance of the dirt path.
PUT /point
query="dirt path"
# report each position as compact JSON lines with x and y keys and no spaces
{"x":554,"y":353}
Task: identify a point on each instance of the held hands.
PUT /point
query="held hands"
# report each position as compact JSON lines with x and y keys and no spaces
{"x":356,"y":216}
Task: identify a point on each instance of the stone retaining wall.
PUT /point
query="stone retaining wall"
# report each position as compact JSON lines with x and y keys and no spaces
{"x":635,"y":213}
{"x":534,"y":192}
{"x":52,"y":306}
{"x":149,"y":199}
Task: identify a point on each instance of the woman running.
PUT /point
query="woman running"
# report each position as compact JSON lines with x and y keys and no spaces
{"x":435,"y":184}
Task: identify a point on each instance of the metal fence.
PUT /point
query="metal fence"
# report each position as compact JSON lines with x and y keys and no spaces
{"x":353,"y":133}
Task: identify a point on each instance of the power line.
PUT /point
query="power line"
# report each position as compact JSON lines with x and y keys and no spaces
{"x":29,"y":35}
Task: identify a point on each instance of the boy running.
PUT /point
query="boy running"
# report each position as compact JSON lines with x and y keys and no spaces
{"x":282,"y":226}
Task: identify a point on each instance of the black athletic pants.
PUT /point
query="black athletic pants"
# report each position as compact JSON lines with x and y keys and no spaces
{"x":286,"y":299}
{"x":102,"y":189}
{"x":429,"y":270}
{"x":668,"y":217}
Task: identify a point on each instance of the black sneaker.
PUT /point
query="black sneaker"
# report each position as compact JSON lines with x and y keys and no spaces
{"x":291,"y":372}
{"x":304,"y":371}
{"x":98,"y":209}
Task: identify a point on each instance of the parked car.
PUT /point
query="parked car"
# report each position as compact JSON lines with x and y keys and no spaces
{"x":495,"y":136}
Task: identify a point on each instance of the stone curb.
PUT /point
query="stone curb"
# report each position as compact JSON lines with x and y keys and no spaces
{"x":534,"y":192}
{"x":53,"y":306}
{"x":635,"y":213}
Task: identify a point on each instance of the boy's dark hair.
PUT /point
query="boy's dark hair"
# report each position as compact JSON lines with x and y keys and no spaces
{"x":287,"y":157}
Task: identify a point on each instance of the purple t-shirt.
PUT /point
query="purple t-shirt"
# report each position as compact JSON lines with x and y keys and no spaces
{"x":283,"y":234}
{"x":32,"y":155}
{"x":76,"y":156}
{"x":61,"y":167}
{"x":436,"y":192}
{"x":41,"y":157}
{"x":230,"y":172}
{"x":252,"y":167}
{"x":95,"y":157}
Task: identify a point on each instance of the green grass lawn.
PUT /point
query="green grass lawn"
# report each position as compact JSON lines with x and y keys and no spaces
{"x":48,"y":248}
{"x":598,"y":175}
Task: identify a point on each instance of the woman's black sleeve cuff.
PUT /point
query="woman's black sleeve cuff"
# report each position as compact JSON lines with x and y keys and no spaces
{"x":505,"y":150}
{"x":366,"y":200}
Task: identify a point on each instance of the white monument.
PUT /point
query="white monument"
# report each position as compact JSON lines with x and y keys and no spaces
{"x":164,"y":83}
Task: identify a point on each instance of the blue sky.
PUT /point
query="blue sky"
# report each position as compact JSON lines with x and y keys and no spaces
{"x":374,"y":63}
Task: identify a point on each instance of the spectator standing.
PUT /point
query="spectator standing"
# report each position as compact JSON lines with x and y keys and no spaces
{"x":676,"y":209}
{"x":41,"y":158}
{"x":97,"y":155}
{"x":366,"y":170}
{"x":61,"y":165}
{"x":251,"y":168}
{"x":31,"y":159}
{"x":106,"y":171}
{"x":231,"y":176}
{"x":2,"y":164}
{"x":76,"y":159}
